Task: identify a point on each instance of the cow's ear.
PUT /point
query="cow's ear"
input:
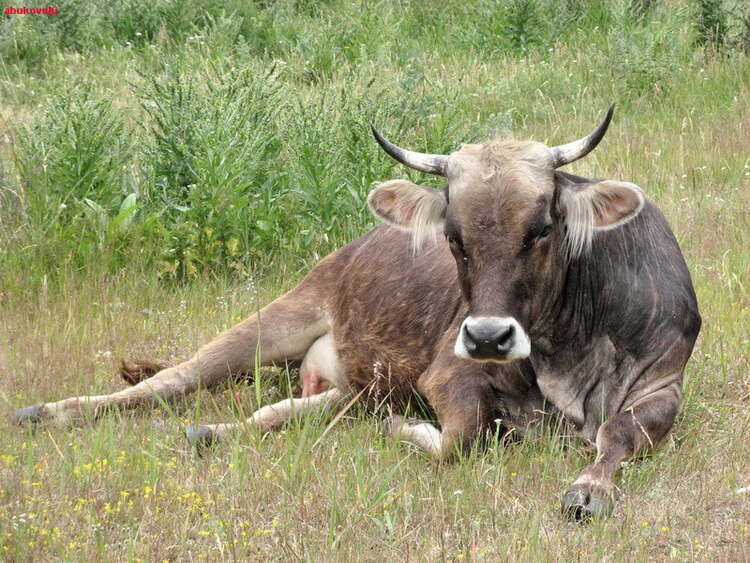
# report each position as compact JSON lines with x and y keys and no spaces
{"x":409,"y":206}
{"x":587,"y":206}
{"x":596,"y":204}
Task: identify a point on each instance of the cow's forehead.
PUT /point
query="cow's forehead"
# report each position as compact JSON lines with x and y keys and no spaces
{"x":500,"y":152}
{"x":499,"y":174}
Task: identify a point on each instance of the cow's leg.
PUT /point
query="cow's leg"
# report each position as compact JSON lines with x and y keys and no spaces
{"x":320,"y":368}
{"x":620,"y":438}
{"x":419,"y":433}
{"x":463,"y":399}
{"x":265,"y":418}
{"x":459,"y":430}
{"x":283,"y":330}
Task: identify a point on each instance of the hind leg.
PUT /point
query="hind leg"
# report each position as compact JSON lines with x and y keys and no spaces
{"x":283,"y":330}
{"x":320,"y":369}
{"x":266,"y":418}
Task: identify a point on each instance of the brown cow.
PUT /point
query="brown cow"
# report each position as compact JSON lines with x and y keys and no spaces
{"x":553,"y":293}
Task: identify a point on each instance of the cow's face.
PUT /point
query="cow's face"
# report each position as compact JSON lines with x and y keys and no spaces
{"x":512,"y":223}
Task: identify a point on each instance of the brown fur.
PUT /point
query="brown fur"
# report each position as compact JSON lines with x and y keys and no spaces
{"x":396,"y":345}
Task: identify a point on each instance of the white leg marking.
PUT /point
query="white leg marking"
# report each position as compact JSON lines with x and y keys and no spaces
{"x":272,"y":416}
{"x":423,"y":435}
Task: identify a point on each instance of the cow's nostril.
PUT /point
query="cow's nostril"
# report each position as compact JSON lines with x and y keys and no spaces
{"x":469,"y":340}
{"x":488,"y":339}
{"x":505,"y":339}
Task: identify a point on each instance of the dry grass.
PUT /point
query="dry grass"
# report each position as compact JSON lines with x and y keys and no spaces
{"x":129,"y":487}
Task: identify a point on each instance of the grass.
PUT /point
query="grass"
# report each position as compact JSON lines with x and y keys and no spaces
{"x":165,"y":171}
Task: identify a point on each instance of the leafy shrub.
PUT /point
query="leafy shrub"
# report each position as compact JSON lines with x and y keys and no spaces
{"x":25,"y":39}
{"x":523,"y":25}
{"x":73,"y":165}
{"x":252,"y":137}
{"x":643,"y":61}
{"x":82,"y":25}
{"x":711,"y":24}
{"x":506,"y":25}
{"x":76,"y":150}
{"x":133,"y":21}
{"x":214,"y":142}
{"x":742,"y":38}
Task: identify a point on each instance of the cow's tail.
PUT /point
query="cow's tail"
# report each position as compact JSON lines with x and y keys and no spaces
{"x":138,"y":370}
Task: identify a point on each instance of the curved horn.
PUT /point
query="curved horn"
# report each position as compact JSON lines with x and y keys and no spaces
{"x":430,"y":163}
{"x":565,"y":154}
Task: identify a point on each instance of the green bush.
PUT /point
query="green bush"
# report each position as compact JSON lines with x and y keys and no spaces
{"x":77,"y":149}
{"x":523,"y":25}
{"x":213,"y":146}
{"x":77,"y":189}
{"x":219,"y":135}
{"x":711,"y":24}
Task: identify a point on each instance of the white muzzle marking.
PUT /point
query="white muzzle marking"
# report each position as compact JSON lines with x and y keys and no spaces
{"x":518,"y":348}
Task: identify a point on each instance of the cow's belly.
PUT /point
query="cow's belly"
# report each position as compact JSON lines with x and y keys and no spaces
{"x":321,"y":368}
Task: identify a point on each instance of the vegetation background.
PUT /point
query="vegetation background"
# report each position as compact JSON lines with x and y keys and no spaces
{"x":168,"y":167}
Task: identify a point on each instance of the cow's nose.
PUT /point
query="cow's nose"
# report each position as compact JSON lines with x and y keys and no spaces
{"x":489,"y":339}
{"x":492,"y":339}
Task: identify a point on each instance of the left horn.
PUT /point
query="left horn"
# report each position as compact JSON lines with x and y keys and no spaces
{"x":565,"y":154}
{"x":430,"y":163}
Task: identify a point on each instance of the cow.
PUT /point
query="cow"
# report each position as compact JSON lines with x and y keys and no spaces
{"x":517,"y":292}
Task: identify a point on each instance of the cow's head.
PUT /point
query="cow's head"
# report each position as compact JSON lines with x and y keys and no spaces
{"x":513,"y":224}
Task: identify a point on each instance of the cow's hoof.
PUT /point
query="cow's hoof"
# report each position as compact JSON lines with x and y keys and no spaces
{"x":200,"y":436}
{"x":28,"y":415}
{"x":585,"y":502}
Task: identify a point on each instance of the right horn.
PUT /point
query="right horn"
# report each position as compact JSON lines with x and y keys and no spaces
{"x":430,"y":163}
{"x":565,"y":154}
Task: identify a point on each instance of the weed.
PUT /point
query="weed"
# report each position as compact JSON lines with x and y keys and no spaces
{"x":711,"y":24}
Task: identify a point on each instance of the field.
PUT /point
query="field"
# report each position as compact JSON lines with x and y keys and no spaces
{"x":168,"y":168}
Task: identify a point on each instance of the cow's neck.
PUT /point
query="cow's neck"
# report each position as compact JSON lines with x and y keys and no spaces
{"x":568,"y":317}
{"x":569,"y":353}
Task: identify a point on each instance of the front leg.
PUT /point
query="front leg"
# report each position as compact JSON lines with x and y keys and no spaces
{"x":419,"y":433}
{"x":620,"y":438}
{"x":462,"y":396}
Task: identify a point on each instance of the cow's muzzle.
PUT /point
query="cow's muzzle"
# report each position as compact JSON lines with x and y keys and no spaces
{"x":492,"y":339}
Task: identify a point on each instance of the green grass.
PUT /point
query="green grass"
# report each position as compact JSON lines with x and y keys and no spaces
{"x":167,"y":169}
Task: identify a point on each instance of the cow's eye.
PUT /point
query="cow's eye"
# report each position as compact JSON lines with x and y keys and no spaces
{"x":456,"y":244}
{"x":547,"y":229}
{"x":536,"y":235}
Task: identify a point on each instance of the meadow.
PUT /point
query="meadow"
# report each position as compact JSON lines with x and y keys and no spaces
{"x":167,"y":168}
